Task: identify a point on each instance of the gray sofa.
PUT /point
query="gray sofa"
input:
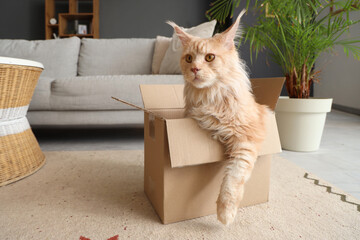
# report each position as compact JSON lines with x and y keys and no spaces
{"x":81,"y":75}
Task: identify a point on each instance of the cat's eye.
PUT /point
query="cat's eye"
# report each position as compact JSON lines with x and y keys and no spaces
{"x":210,"y":57}
{"x":188,"y":58}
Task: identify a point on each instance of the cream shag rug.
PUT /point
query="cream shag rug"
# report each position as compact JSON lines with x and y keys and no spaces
{"x":99,"y":195}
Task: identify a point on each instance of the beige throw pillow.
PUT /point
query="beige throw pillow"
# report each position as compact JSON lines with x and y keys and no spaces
{"x":161,"y":45}
{"x":171,"y":62}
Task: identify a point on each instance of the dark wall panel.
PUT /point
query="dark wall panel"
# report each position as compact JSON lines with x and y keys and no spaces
{"x":144,"y":18}
{"x":22,"y":19}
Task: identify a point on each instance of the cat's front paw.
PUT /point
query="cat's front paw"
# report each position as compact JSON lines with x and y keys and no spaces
{"x":226,"y":211}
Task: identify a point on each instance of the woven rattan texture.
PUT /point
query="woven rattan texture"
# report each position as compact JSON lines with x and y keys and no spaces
{"x":20,"y":156}
{"x":17,"y":85}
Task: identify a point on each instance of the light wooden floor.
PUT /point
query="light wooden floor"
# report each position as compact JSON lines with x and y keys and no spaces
{"x":337,"y":161}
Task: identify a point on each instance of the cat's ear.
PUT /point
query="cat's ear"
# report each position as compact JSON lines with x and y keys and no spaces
{"x":183,"y":36}
{"x":232,"y":32}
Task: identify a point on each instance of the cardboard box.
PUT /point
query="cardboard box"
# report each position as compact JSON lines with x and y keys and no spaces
{"x":184,"y":166}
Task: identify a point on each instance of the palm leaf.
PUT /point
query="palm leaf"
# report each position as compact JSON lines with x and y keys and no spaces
{"x":300,"y":31}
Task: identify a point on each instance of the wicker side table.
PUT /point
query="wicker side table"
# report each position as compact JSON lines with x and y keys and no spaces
{"x":20,"y":153}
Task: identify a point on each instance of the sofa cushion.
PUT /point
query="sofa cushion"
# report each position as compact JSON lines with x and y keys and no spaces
{"x":94,"y":92}
{"x":41,"y":96}
{"x":161,"y":45}
{"x":132,"y":118}
{"x":59,"y":56}
{"x":115,"y":56}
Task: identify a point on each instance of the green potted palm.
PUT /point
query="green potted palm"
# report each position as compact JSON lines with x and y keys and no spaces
{"x":294,"y":33}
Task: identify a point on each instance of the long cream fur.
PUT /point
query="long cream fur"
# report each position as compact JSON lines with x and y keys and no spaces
{"x":219,"y":97}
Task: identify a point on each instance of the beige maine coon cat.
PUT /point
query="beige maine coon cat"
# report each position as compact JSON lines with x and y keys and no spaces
{"x":218,"y":96}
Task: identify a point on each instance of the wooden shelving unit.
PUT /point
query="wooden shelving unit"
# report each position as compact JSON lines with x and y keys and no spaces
{"x":67,"y":22}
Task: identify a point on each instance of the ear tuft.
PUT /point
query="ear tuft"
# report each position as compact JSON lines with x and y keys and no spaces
{"x":171,"y":23}
{"x":183,"y":36}
{"x":233,"y":32}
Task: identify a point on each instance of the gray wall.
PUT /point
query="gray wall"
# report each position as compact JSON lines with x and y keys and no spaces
{"x":22,"y":19}
{"x":124,"y":19}
{"x":262,"y":66}
{"x":146,"y":19}
{"x":340,"y":76}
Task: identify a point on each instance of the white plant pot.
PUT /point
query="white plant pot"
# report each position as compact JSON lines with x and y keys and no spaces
{"x":301,"y":122}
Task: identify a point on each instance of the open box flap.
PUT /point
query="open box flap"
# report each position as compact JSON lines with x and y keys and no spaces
{"x":162,"y":96}
{"x":190,"y":145}
{"x":184,"y":134}
{"x":137,"y":107}
{"x":266,"y":91}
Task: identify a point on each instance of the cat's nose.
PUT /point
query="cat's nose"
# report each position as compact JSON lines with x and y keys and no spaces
{"x":195,"y":70}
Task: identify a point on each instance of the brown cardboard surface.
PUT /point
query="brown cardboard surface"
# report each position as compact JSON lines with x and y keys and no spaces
{"x":162,"y":96}
{"x":191,"y":192}
{"x":154,"y":145}
{"x":190,"y":145}
{"x":271,"y":143}
{"x":183,"y":167}
{"x":177,"y":113}
{"x":267,"y":90}
{"x":137,"y":107}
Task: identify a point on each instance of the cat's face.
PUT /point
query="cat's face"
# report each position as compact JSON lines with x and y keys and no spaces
{"x":206,"y":61}
{"x":203,"y":62}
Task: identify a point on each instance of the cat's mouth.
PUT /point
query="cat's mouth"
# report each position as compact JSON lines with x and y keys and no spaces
{"x":197,"y":78}
{"x":199,"y":82}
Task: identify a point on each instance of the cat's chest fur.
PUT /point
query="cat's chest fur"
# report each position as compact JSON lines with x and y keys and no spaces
{"x":214,"y":111}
